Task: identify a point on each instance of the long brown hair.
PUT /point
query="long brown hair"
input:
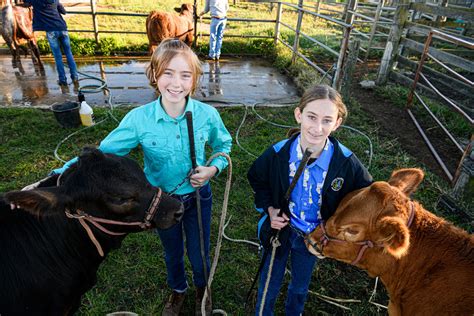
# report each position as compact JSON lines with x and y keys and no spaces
{"x":161,"y":58}
{"x":321,"y":92}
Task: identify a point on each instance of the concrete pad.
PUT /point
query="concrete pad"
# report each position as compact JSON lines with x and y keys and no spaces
{"x":224,"y":83}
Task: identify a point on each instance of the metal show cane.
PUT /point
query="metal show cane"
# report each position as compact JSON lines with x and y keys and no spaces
{"x":274,"y":239}
{"x":192,"y":150}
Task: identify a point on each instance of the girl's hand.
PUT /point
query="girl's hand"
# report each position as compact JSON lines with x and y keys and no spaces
{"x":277,"y":222}
{"x":202,"y":175}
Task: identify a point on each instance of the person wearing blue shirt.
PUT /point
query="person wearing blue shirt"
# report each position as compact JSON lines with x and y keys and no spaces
{"x":160,"y":129}
{"x":332,"y":172}
{"x":218,"y":10}
{"x":47,"y":17}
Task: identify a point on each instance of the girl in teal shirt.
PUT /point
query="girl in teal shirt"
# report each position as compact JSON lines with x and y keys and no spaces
{"x":160,"y":129}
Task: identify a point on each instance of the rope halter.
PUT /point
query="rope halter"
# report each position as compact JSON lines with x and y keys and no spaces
{"x":83,"y":218}
{"x":325,"y":238}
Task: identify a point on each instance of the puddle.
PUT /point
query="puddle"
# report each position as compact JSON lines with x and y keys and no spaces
{"x":226,"y":83}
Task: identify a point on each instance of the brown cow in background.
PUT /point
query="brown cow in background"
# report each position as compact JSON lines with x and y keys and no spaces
{"x":162,"y":25}
{"x":425,"y":263}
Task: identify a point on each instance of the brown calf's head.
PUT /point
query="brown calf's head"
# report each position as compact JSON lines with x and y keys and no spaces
{"x":102,"y":185}
{"x":377,"y":214}
{"x":185,"y":7}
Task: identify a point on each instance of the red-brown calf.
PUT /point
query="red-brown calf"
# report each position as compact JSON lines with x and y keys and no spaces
{"x":163,"y":25}
{"x":425,"y":263}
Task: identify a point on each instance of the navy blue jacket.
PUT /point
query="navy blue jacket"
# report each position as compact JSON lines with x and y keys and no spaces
{"x":47,"y":15}
{"x":269,"y":177}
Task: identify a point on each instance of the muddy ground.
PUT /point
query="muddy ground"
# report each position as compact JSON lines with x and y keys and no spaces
{"x":396,"y":123}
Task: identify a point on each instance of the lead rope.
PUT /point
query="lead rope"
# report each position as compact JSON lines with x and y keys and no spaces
{"x":275,"y":244}
{"x":225,"y":202}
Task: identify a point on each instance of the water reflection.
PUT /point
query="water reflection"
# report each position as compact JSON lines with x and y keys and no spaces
{"x":31,"y":81}
{"x":215,"y":84}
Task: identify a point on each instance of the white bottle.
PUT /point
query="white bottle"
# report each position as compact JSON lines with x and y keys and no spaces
{"x":86,"y":113}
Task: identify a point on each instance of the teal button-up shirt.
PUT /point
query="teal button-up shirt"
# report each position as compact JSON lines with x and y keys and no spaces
{"x":165,"y":143}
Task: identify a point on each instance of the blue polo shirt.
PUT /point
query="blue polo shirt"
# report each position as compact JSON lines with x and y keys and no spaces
{"x":305,"y":200}
{"x":47,"y":15}
{"x":165,"y":143}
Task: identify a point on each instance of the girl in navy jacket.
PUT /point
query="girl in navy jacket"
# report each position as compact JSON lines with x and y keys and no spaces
{"x":332,"y":172}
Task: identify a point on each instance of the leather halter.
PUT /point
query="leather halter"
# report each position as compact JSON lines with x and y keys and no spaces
{"x":325,"y":239}
{"x":83,"y":217}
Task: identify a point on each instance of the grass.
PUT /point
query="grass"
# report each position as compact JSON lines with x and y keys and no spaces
{"x":134,"y":277}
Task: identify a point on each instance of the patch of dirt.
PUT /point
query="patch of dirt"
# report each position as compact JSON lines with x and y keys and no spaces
{"x":396,"y":123}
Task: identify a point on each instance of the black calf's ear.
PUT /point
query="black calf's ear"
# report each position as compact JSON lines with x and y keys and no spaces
{"x":91,"y":150}
{"x":38,"y":202}
{"x":90,"y":153}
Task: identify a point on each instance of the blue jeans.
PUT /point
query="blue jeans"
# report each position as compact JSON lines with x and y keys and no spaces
{"x":302,"y":265}
{"x":58,"y":39}
{"x":173,"y":241}
{"x":216,"y":36}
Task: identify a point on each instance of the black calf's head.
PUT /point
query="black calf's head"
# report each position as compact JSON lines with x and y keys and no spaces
{"x":102,"y":185}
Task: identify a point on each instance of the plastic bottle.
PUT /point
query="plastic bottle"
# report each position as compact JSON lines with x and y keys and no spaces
{"x":87,"y":114}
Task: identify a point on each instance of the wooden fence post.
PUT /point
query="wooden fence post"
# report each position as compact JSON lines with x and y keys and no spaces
{"x":393,"y":41}
{"x":349,"y":19}
{"x":464,"y":176}
{"x":378,"y":12}
{"x":349,"y":67}
{"x":277,"y":23}
{"x":195,"y":22}
{"x":296,"y":43}
{"x":349,"y":10}
{"x":316,"y":7}
{"x":94,"y":21}
{"x":439,"y":18}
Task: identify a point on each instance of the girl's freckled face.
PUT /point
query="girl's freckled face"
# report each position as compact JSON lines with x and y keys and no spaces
{"x":176,"y":82}
{"x":318,"y":120}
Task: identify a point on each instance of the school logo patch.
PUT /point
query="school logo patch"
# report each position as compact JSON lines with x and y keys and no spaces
{"x":336,"y":184}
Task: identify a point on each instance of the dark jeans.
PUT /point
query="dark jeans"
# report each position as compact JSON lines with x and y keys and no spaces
{"x":173,"y":241}
{"x":302,"y":265}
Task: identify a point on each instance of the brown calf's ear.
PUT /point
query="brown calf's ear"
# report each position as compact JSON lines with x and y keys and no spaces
{"x":407,"y":180}
{"x":177,"y":10}
{"x":38,"y":201}
{"x":393,"y":233}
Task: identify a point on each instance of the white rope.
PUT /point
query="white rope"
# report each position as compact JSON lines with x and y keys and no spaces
{"x":238,"y":240}
{"x":219,"y":235}
{"x":275,"y":245}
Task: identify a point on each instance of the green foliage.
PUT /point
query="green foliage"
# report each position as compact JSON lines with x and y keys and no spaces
{"x":88,"y":47}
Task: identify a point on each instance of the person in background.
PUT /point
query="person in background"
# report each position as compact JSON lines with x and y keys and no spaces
{"x":218,"y":9}
{"x":332,"y":172}
{"x":47,"y":17}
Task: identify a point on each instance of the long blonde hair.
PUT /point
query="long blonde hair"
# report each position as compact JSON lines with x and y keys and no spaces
{"x":321,"y":92}
{"x":161,"y":58}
